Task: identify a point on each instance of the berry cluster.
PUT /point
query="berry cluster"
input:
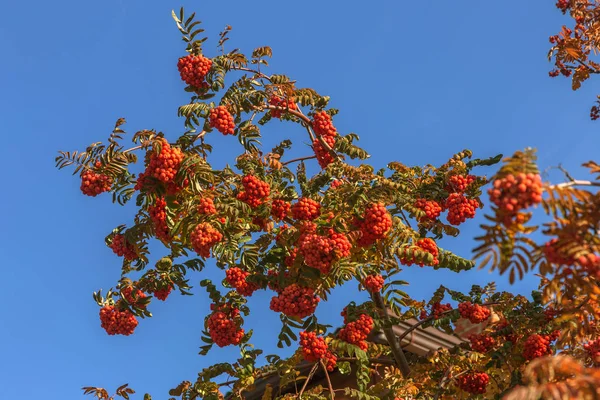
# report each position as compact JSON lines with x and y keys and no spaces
{"x":221,"y":119}
{"x":460,"y":208}
{"x":373,"y":283}
{"x":295,"y":301}
{"x":324,"y":157}
{"x":134,"y":296}
{"x":165,"y":164}
{"x":473,"y":382}
{"x":357,"y":331}
{"x":158,"y":216}
{"x":204,"y":237}
{"x":459,"y":183}
{"x":314,"y":349}
{"x":536,"y":346}
{"x":193,"y":69}
{"x":321,"y":251}
{"x":274,"y":281}
{"x":224,"y":328}
{"x":593,"y":350}
{"x":482,"y":343}
{"x":563,"y":5}
{"x":432,"y":209}
{"x":336,"y":183}
{"x":280,"y":209}
{"x":516,"y":192}
{"x":291,"y":258}
{"x":206,"y":206}
{"x":376,"y":223}
{"x":473,"y":312}
{"x":279,"y":102}
{"x":426,"y":245}
{"x":163,"y":293}
{"x":121,"y":247}
{"x":255,"y":191}
{"x":322,"y":124}
{"x":117,"y":322}
{"x":93,"y":183}
{"x":237,"y":279}
{"x":437,"y":310}
{"x":306,"y":209}
{"x":550,"y":313}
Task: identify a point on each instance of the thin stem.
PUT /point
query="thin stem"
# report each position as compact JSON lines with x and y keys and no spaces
{"x":574,"y":183}
{"x":308,"y":378}
{"x":442,"y":383}
{"x":199,"y":136}
{"x":132,"y":149}
{"x":299,"y":159}
{"x":328,"y":379}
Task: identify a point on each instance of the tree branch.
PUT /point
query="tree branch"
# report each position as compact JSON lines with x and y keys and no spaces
{"x":298,"y":159}
{"x":308,"y":378}
{"x":328,"y":379}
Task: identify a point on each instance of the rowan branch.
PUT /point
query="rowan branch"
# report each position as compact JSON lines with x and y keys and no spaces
{"x":328,"y":379}
{"x":308,"y":378}
{"x":298,"y":159}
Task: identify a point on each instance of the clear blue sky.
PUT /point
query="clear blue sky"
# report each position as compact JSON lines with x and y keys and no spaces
{"x":417,"y":81}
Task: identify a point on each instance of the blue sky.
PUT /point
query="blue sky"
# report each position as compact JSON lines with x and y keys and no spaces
{"x":418,"y":81}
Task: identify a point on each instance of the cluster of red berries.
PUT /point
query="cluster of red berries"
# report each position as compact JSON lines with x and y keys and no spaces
{"x":221,"y":119}
{"x":206,"y":206}
{"x":163,"y":293}
{"x":158,"y":216}
{"x":163,"y":165}
{"x":336,"y":183}
{"x":554,"y":254}
{"x":134,"y":296}
{"x":373,"y":283}
{"x":550,"y":313}
{"x":563,"y":5}
{"x":279,"y":102}
{"x":193,"y":69}
{"x":426,"y":245}
{"x":323,"y":125}
{"x":280,"y":209}
{"x":473,"y":382}
{"x":473,"y":312}
{"x":274,"y":281}
{"x":255,"y":191}
{"x":291,"y":258}
{"x":314,"y":349}
{"x":321,"y":251}
{"x":482,"y":343}
{"x":237,"y":279}
{"x":594,"y":113}
{"x":593,"y":349}
{"x":121,"y":247}
{"x":324,"y":156}
{"x":460,"y":208}
{"x":93,"y":183}
{"x":437,"y":310}
{"x":536,"y":346}
{"x":204,"y":237}
{"x":306,"y":209}
{"x":459,"y":183}
{"x":431,"y":207}
{"x":516,"y":192}
{"x":375,"y":225}
{"x":117,"y":322}
{"x":356,"y":332}
{"x":295,"y":301}
{"x":224,"y":328}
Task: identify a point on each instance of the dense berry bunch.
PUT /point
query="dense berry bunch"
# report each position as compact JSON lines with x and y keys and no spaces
{"x":593,"y":350}
{"x":306,"y":209}
{"x":375,"y":225}
{"x":121,"y":247}
{"x":410,"y":255}
{"x":374,"y":283}
{"x":459,"y":183}
{"x":280,"y":209}
{"x":275,"y":276}
{"x":164,"y":165}
{"x":550,"y":313}
{"x":117,"y":322}
{"x":221,"y":119}
{"x":237,"y":279}
{"x":93,"y":183}
{"x":291,"y":258}
{"x":322,"y":124}
{"x":193,"y":69}
{"x":432,"y":209}
{"x":321,"y":251}
{"x":536,"y":346}
{"x":324,"y":156}
{"x":357,"y":331}
{"x":437,"y":310}
{"x":482,"y":343}
{"x":460,"y":208}
{"x":158,"y":216}
{"x":255,"y":191}
{"x":473,"y":312}
{"x":163,"y":293}
{"x":336,"y":183}
{"x":473,"y":382}
{"x":279,"y":102}
{"x":295,"y":301}
{"x":314,"y":349}
{"x":204,"y":237}
{"x":206,"y":206}
{"x":516,"y":192}
{"x":224,"y":329}
{"x":563,"y":5}
{"x":134,"y":296}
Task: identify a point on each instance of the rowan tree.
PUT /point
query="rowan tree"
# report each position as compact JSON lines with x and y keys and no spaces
{"x":269,"y":225}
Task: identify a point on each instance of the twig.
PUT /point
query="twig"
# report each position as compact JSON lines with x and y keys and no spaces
{"x":132,"y":149}
{"x":575,"y":182}
{"x":328,"y":379}
{"x":442,"y":383}
{"x":200,"y":135}
{"x":299,"y":159}
{"x":308,"y":378}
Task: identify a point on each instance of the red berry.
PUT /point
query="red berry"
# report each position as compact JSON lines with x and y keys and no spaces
{"x":204,"y":237}
{"x":295,"y":301}
{"x":255,"y":191}
{"x":426,"y":245}
{"x":122,"y":248}
{"x":158,"y":216}
{"x":162,"y":294}
{"x":459,"y":183}
{"x":536,"y":346}
{"x":306,"y":209}
{"x":473,"y":312}
{"x":321,"y":252}
{"x":322,"y":124}
{"x":224,"y":328}
{"x":324,"y":157}
{"x":314,"y":349}
{"x":93,"y":184}
{"x":165,"y":164}
{"x":237,"y":279}
{"x":206,"y":206}
{"x":473,"y":382}
{"x":482,"y":343}
{"x":375,"y":225}
{"x":460,"y":208}
{"x":279,"y":102}
{"x":374,"y":283}
{"x":221,"y":119}
{"x":133,"y":296}
{"x":193,"y":69}
{"x":280,"y":209}
{"x":516,"y":192}
{"x":432,"y":209}
{"x":117,"y":322}
{"x":593,"y":350}
{"x":357,"y":331}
